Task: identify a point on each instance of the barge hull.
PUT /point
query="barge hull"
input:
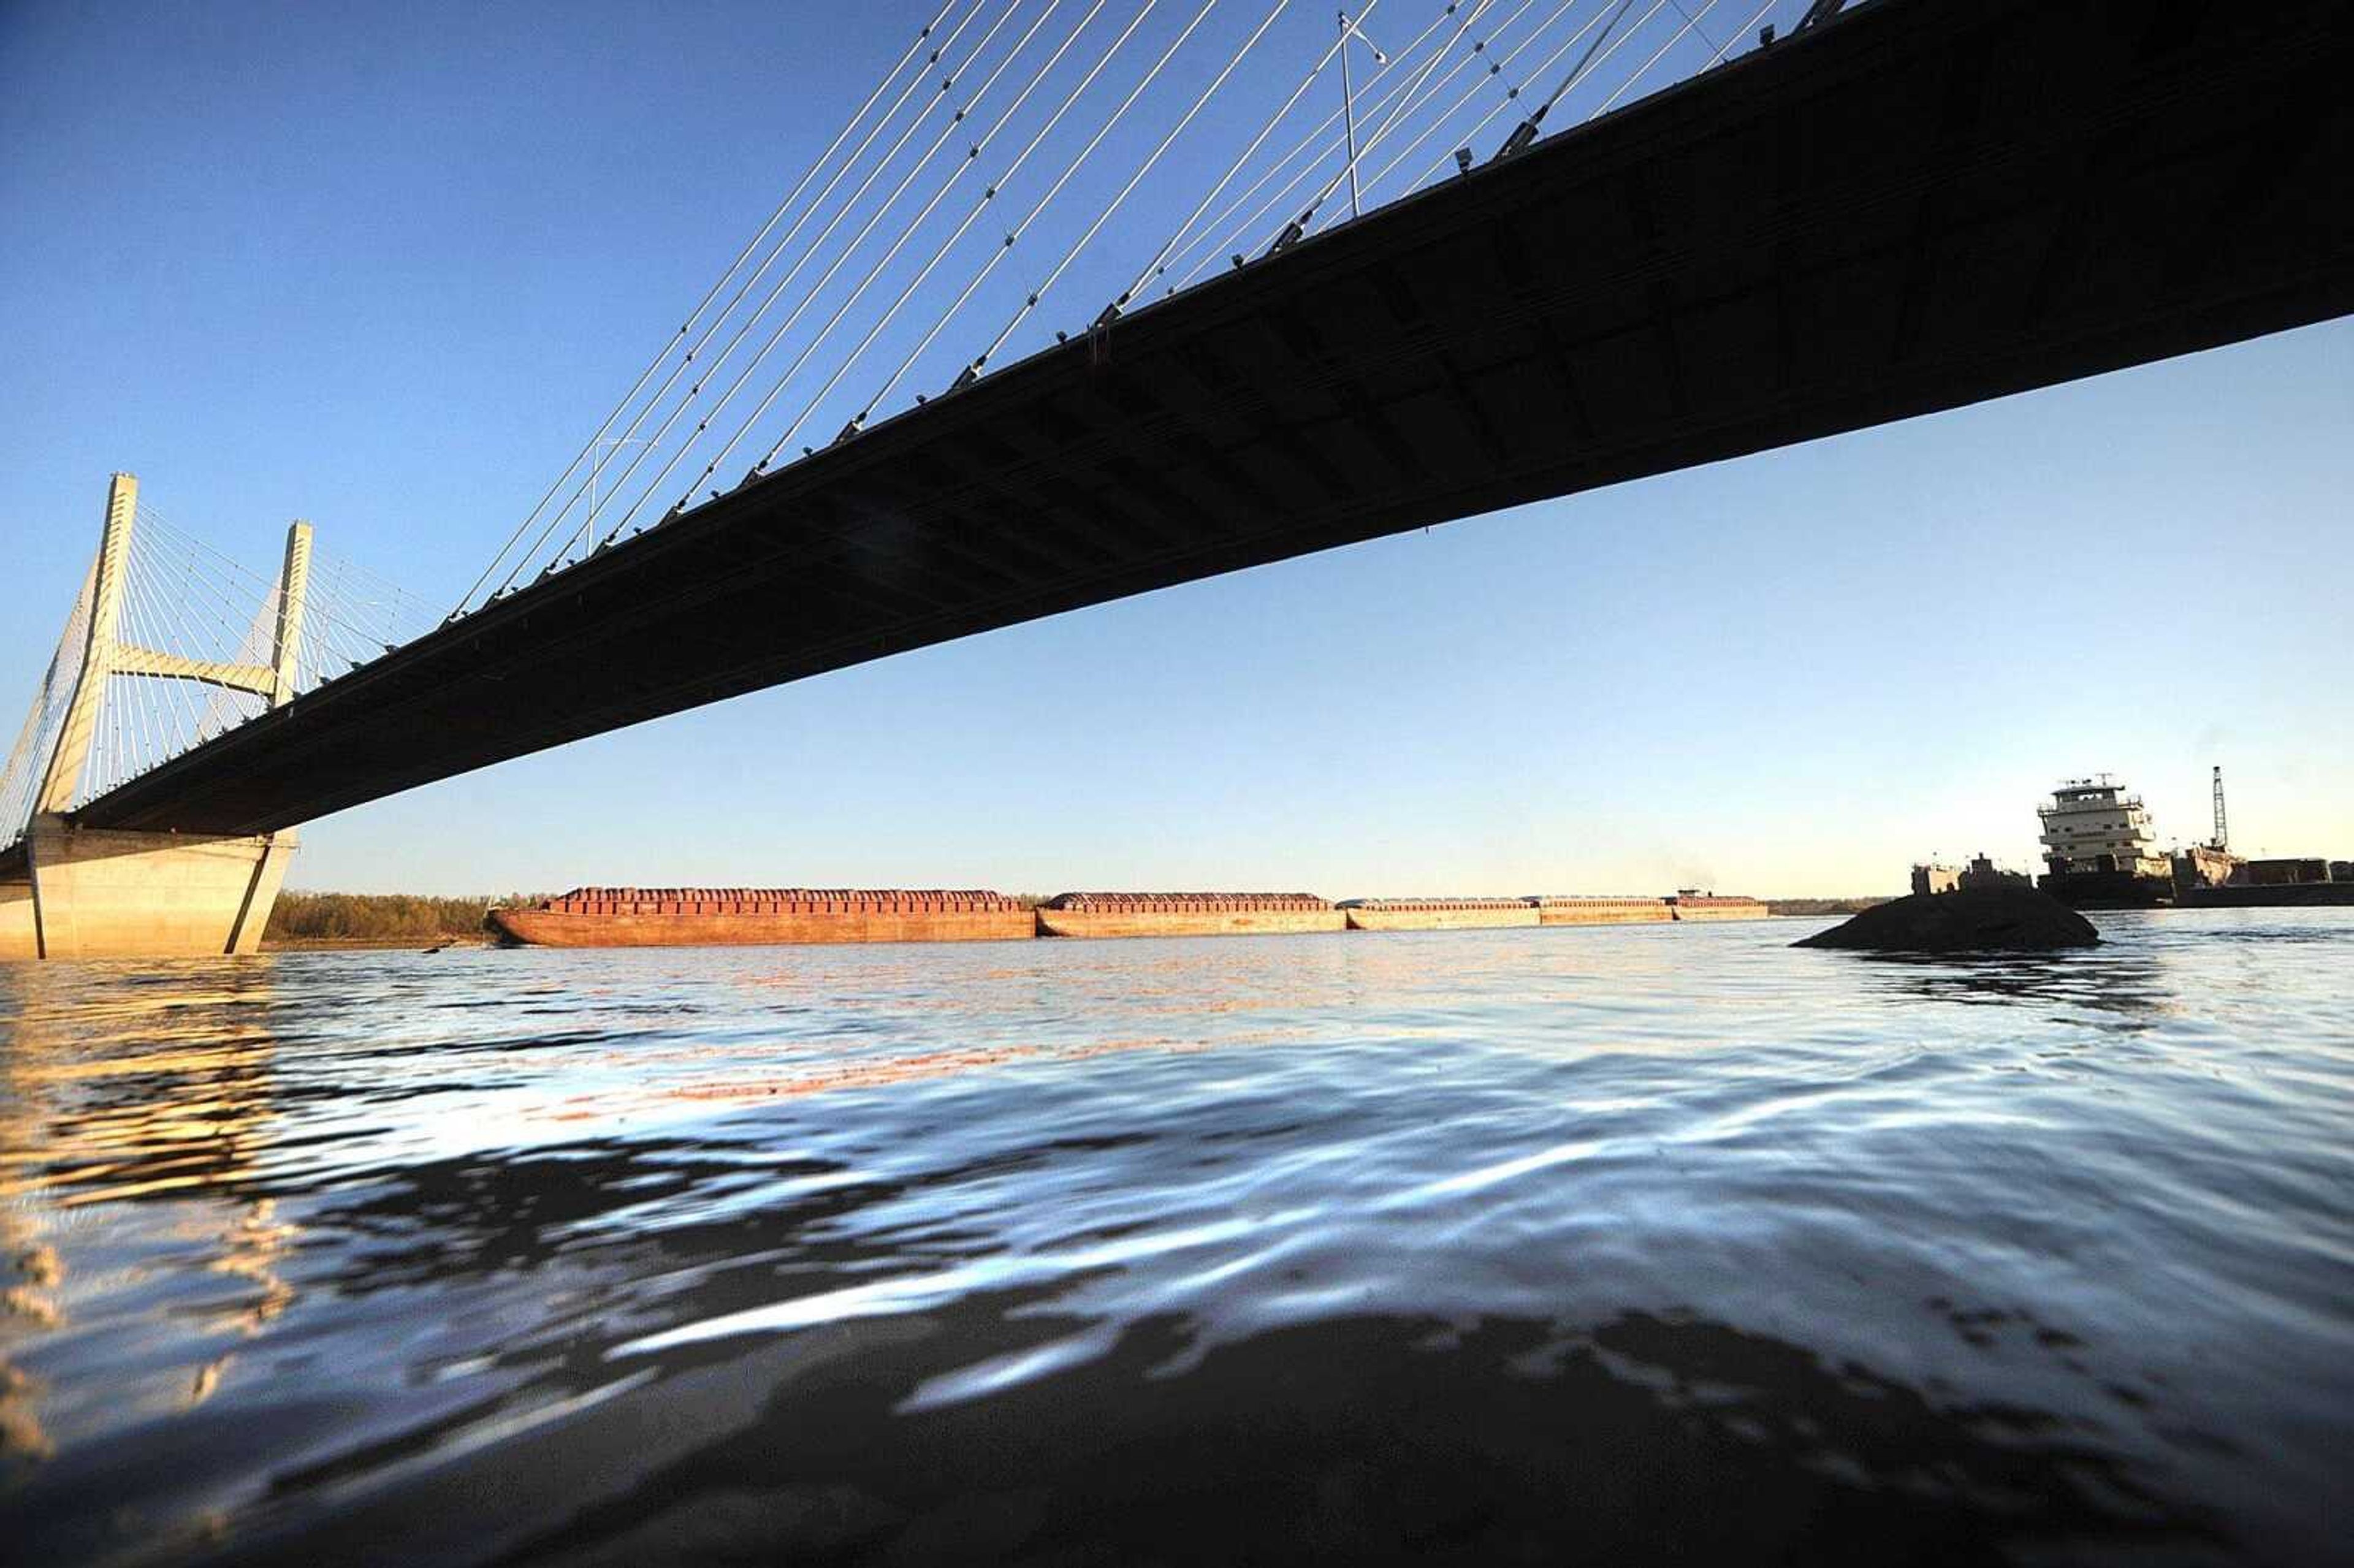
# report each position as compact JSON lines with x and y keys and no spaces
{"x":551,"y":928}
{"x":1606,"y":912}
{"x":1440,"y":919}
{"x":2107,"y":889}
{"x":1721,"y":909}
{"x":2287,"y":896}
{"x":1186,"y":922}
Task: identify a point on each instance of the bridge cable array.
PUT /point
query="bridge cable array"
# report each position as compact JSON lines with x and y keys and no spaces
{"x":1103,"y":115}
{"x":175,"y":644}
{"x":191,"y":649}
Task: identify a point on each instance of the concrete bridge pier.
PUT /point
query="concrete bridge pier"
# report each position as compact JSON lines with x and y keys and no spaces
{"x":96,"y":893}
{"x":72,"y":892}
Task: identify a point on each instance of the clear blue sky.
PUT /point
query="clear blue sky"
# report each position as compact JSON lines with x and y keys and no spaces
{"x":385,"y":268}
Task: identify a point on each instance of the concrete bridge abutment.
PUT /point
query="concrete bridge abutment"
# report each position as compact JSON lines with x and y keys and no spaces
{"x":96,"y":893}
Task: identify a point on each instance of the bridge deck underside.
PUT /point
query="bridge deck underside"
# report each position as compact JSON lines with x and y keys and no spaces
{"x":1925,"y":204}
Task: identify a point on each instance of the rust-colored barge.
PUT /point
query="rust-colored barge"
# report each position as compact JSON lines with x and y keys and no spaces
{"x":1437,"y":914}
{"x":710,"y":917}
{"x":1693,"y":905}
{"x":1589,"y":909}
{"x":1186,"y":915}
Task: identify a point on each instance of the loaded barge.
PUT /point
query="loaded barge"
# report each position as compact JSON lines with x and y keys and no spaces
{"x":700,"y":916}
{"x":1185,"y":915}
{"x":1692,"y":903}
{"x":1579,"y":909}
{"x":1437,"y":914}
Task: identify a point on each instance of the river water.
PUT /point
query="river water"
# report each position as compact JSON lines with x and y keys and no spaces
{"x":1619,"y":1244}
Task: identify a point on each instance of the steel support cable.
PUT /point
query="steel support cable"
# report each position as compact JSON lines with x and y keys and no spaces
{"x":124,"y":760}
{"x":891,"y":254}
{"x":1497,"y":67}
{"x":1493,"y":74}
{"x":671,"y":343}
{"x":629,"y":436}
{"x":1377,"y":104}
{"x":1146,"y":167}
{"x":1151,"y":268}
{"x":1102,"y":217}
{"x":140,"y":620}
{"x":108,"y":749}
{"x":954,"y":307}
{"x":1282,"y":198}
{"x":14,"y":771}
{"x":185,"y":624}
{"x":809,"y":297}
{"x":224,"y":709}
{"x":236,"y":569}
{"x":375,"y":594}
{"x":125,"y":707}
{"x":153,"y":539}
{"x":401,"y":608}
{"x":1735,"y":37}
{"x":167,"y":614}
{"x":75,"y":785}
{"x":122,"y":713}
{"x":1526,"y":131}
{"x":347,"y":648}
{"x":974,"y":369}
{"x":226,"y":597}
{"x":218,"y":707}
{"x":1061,"y":109}
{"x":173,"y":632}
{"x":1308,"y":144}
{"x":153,"y":526}
{"x":1692,"y":19}
{"x":27,"y":737}
{"x":147,"y":622}
{"x":28,"y":760}
{"x":587,"y":527}
{"x":324,"y":594}
{"x":1483,"y":122}
{"x":1298,"y":226}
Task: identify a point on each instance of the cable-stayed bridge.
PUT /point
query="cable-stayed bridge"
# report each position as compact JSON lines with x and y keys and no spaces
{"x":1351,"y":329}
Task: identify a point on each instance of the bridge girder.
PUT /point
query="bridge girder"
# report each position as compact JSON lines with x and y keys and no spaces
{"x":1910,"y":206}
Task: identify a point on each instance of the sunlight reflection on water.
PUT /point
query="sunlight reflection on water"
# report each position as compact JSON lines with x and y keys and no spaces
{"x":1469,"y":1245}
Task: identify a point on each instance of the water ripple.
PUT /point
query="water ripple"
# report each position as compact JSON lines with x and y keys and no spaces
{"x":1469,"y":1245}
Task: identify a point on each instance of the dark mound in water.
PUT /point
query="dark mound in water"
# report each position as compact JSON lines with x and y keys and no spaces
{"x":1992,"y":919}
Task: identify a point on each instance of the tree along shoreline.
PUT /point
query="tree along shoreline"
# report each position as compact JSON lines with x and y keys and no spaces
{"x":377,"y":919}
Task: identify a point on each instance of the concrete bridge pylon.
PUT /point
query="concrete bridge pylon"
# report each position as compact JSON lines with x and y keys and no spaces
{"x":77,"y":892}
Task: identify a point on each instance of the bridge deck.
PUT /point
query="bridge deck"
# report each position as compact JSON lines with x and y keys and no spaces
{"x":1924,"y":204}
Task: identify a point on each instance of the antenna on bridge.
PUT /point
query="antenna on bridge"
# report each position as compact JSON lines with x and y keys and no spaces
{"x":1348,"y":100}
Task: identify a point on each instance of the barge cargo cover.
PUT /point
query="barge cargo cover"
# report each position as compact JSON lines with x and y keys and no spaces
{"x":748,"y":916}
{"x":1437,"y":914}
{"x":1186,"y":915}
